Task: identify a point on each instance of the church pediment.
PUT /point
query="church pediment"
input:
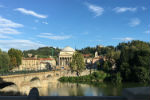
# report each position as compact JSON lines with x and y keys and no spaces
{"x":66,"y":53}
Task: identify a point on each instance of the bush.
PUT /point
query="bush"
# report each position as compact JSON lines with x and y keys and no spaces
{"x":96,"y":76}
{"x":142,"y":75}
{"x":114,"y":78}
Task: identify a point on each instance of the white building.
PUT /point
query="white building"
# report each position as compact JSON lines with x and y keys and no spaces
{"x":65,"y":56}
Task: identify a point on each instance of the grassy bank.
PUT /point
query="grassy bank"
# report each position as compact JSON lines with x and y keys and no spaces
{"x":98,"y":76}
{"x":95,"y":77}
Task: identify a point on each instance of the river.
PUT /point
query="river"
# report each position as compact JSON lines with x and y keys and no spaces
{"x":78,"y":89}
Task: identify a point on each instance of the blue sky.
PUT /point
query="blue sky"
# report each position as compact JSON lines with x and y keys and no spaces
{"x":29,"y":24}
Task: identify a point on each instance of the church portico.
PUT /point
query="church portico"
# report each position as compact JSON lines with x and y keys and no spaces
{"x":64,"y":61}
{"x":65,"y":56}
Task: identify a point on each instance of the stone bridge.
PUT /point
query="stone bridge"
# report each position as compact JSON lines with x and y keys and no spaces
{"x":23,"y":78}
{"x":24,"y":82}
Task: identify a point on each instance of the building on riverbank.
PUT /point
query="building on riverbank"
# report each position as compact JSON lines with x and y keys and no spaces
{"x":34,"y":63}
{"x":65,"y":57}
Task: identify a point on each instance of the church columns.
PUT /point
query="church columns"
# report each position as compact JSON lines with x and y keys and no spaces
{"x":67,"y":61}
{"x":64,"y":61}
{"x":59,"y":61}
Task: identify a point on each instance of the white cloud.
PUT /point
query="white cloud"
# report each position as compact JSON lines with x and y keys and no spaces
{"x":4,"y":36}
{"x":54,"y":37}
{"x":124,"y":9}
{"x":7,"y":26}
{"x":45,"y":22}
{"x":1,"y":6}
{"x":124,"y":39}
{"x":144,"y":8}
{"x":147,"y":32}
{"x":46,"y":33}
{"x":95,"y":9}
{"x":30,"y":12}
{"x":19,"y":44}
{"x":8,"y":23}
{"x":8,"y":31}
{"x":127,"y":39}
{"x":134,"y":22}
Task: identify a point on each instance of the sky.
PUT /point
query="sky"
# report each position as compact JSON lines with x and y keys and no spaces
{"x":30,"y":24}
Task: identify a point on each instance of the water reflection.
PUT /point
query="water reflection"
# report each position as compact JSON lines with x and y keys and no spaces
{"x":76,"y":89}
{"x":70,"y":89}
{"x":49,"y":88}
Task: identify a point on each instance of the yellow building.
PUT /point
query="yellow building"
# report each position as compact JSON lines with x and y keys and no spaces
{"x":30,"y":64}
{"x":36,"y":64}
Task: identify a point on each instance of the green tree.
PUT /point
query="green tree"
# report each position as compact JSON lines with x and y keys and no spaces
{"x":43,"y":52}
{"x":15,"y":57}
{"x":134,"y":61}
{"x":77,"y":63}
{"x":125,"y":71}
{"x":4,"y":61}
{"x":116,"y":78}
{"x":107,"y":66}
{"x":142,"y":75}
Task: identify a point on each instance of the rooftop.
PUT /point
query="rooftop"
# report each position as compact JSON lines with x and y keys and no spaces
{"x":68,"y":49}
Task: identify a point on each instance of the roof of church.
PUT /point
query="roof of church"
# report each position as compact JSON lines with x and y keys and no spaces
{"x":67,"y":49}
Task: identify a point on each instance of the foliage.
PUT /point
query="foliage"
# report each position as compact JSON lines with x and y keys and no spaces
{"x":115,"y":78}
{"x":134,"y":63}
{"x":15,"y":57}
{"x":88,"y":50}
{"x":4,"y":61}
{"x":131,"y":59}
{"x":142,"y":75}
{"x":43,"y":52}
{"x":77,"y":63}
{"x":107,"y":66}
{"x":100,"y":50}
{"x":97,"y":76}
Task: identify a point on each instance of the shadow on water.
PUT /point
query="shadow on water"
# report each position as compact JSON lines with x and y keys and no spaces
{"x":4,"y":84}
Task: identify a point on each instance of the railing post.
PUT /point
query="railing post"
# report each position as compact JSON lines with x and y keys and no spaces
{"x":34,"y":94}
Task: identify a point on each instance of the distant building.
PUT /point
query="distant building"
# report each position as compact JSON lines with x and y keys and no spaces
{"x":100,"y":46}
{"x":30,"y":64}
{"x":65,"y":56}
{"x":34,"y":63}
{"x":96,"y":54}
{"x":87,"y":58}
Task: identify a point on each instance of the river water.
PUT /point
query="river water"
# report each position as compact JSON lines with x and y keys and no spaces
{"x":78,"y":89}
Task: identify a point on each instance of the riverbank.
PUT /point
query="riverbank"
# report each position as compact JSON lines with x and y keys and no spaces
{"x":97,"y":76}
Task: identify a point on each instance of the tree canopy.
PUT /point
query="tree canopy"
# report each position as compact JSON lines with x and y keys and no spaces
{"x":15,"y":57}
{"x":43,"y":52}
{"x":77,"y":63}
{"x":4,"y":61}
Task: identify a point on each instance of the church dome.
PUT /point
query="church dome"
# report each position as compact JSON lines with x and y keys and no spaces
{"x":67,"y":49}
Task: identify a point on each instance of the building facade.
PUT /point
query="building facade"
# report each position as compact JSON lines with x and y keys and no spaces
{"x":36,"y":64}
{"x":65,"y":56}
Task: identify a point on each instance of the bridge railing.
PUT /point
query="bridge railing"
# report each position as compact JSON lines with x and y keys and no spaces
{"x":22,"y":72}
{"x":62,"y":98}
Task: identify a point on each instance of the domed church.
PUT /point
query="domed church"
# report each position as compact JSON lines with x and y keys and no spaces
{"x":65,"y":56}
